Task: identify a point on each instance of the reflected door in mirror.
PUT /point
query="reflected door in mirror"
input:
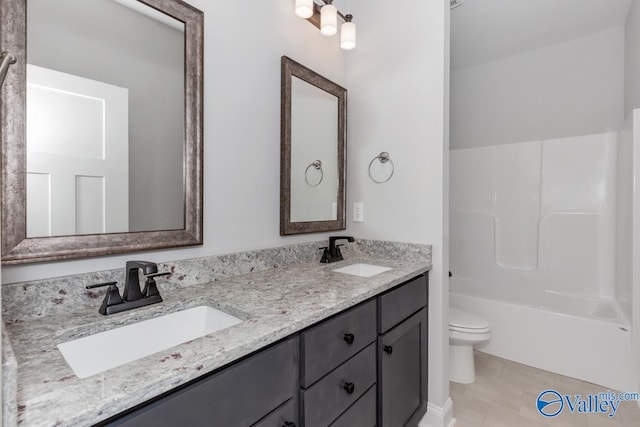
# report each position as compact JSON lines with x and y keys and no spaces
{"x":77,"y":155}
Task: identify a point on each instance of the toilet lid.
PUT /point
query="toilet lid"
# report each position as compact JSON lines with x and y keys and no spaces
{"x":466,"y":320}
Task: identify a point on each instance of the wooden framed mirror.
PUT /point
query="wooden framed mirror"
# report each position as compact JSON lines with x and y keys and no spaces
{"x":102,"y":132}
{"x":312,"y":151}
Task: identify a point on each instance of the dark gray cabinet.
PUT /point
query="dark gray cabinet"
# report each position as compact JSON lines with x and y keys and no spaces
{"x":244,"y":394}
{"x":402,"y":379}
{"x":396,"y":394}
{"x":363,"y":367}
{"x":402,"y":355}
{"x":360,"y":414}
{"x":323,"y":402}
{"x":338,"y":367}
{"x":285,"y":416}
{"x":327,"y":345}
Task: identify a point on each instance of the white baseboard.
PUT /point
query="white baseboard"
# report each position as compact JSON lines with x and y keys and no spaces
{"x":437,"y":416}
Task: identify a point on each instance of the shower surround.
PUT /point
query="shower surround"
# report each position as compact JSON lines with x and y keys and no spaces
{"x":541,"y":247}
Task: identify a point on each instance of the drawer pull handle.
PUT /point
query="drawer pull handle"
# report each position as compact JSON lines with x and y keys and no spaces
{"x":388,"y":349}
{"x":349,"y":338}
{"x":288,"y":424}
{"x":349,"y":388}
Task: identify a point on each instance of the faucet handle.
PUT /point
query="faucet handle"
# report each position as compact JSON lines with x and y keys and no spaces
{"x":150,"y":286}
{"x":166,"y":273}
{"x":326,"y":255}
{"x":111,"y":298}
{"x":100,"y":285}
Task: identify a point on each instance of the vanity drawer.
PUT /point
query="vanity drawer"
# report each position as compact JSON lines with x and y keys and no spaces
{"x":239,"y":395}
{"x":330,"y":343}
{"x":329,"y":397}
{"x":402,"y":302}
{"x":287,"y":413}
{"x":360,"y":414}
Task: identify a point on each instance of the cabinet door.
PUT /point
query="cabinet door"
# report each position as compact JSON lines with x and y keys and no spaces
{"x":402,"y":364}
{"x":239,"y":395}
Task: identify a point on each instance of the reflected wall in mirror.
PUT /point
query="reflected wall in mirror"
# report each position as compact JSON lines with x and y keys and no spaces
{"x":107,"y":156}
{"x":313,"y":147}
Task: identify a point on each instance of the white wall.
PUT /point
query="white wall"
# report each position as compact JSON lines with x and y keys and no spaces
{"x":569,"y":89}
{"x":241,"y":130}
{"x":398,"y":82}
{"x":632,"y":59}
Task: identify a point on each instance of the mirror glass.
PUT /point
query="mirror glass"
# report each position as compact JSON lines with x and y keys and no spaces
{"x":105,"y":118}
{"x":312,"y":151}
{"x":101,"y":127}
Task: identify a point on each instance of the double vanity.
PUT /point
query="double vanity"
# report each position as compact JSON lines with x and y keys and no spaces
{"x":311,"y":345}
{"x":287,"y":336}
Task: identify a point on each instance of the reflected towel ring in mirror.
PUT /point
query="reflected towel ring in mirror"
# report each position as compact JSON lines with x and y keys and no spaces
{"x":384,"y":158}
{"x":317,"y":165}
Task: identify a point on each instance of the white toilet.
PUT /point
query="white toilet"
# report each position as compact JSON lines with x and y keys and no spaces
{"x":465,"y":330}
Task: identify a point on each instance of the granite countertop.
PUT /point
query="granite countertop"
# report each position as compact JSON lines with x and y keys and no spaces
{"x":273,"y":304}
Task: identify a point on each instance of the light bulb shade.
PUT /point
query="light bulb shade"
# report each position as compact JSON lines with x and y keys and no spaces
{"x":329,"y":20}
{"x":348,"y":36}
{"x":304,"y":8}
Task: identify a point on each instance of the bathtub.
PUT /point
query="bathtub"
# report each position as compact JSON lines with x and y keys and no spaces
{"x":582,"y":337}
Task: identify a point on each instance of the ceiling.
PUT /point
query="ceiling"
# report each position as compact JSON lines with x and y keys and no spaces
{"x":487,"y":30}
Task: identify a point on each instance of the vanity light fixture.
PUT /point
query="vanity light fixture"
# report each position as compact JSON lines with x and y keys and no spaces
{"x":324,"y":15}
{"x":348,"y":34}
{"x":329,"y":19}
{"x":304,"y":8}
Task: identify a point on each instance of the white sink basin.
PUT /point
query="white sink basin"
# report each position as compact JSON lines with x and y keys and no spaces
{"x":362,"y":270}
{"x":106,"y":350}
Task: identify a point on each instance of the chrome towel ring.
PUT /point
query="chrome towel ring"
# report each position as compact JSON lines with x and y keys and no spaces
{"x":384,"y":158}
{"x":317,"y":165}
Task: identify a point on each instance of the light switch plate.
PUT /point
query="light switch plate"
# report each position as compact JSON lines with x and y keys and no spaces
{"x":358,"y":212}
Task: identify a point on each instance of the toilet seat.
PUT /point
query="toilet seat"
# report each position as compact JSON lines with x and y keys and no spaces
{"x":466,"y":322}
{"x":469,"y":330}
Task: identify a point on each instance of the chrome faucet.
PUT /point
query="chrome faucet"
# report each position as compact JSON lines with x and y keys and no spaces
{"x":333,"y":253}
{"x":132,"y":297}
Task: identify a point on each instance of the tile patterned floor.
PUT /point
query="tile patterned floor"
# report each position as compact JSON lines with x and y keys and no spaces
{"x":505,"y":393}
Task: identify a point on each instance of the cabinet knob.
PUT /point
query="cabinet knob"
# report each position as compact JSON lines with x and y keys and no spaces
{"x":349,"y":338}
{"x":288,"y":424}
{"x":349,"y":388}
{"x":387,"y":349}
